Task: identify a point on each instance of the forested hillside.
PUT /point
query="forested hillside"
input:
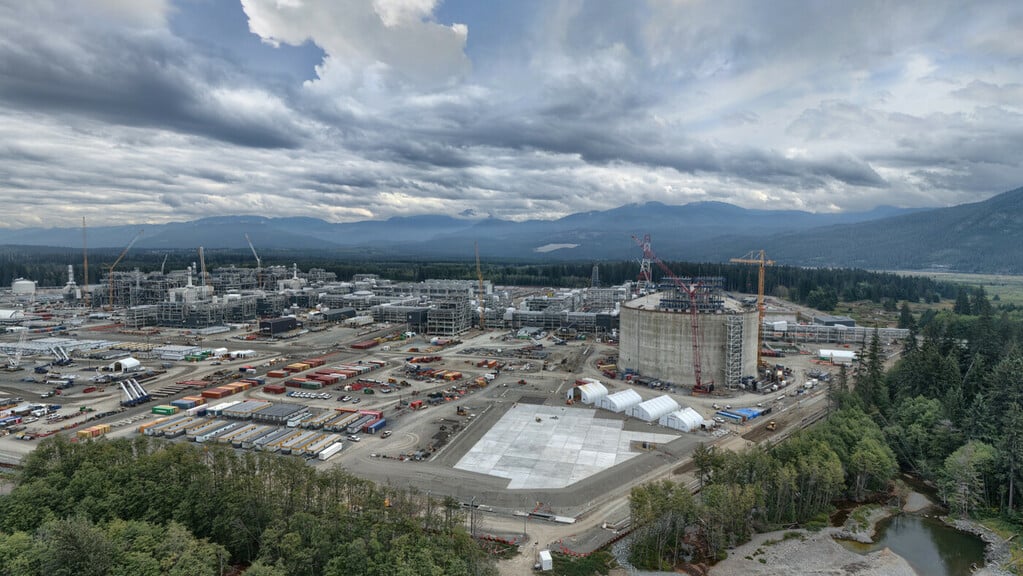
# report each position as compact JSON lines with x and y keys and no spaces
{"x":137,"y":508}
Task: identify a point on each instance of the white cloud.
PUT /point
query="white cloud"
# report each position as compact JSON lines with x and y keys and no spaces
{"x":372,"y":47}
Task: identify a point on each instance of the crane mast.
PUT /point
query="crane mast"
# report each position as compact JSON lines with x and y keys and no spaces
{"x":758,"y":257}
{"x":479,"y":274}
{"x":689,"y":290}
{"x":110,"y":273}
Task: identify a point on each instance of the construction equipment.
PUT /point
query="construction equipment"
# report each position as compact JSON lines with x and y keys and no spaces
{"x":479,"y":274}
{"x":758,"y":257}
{"x":163,"y":267}
{"x":689,"y":290}
{"x":110,"y":272}
{"x":259,"y":264}
{"x":14,"y":362}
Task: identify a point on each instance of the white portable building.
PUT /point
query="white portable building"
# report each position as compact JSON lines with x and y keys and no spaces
{"x":589,"y":393}
{"x":837,"y":356}
{"x":620,"y":401}
{"x":546,"y":561}
{"x":654,"y":408}
{"x":685,"y":420}
{"x":128,"y":364}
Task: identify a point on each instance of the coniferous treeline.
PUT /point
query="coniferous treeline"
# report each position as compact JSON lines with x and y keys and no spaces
{"x":821,"y":288}
{"x":142,"y":507}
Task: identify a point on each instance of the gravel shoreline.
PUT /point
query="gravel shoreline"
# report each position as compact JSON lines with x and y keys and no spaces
{"x":805,"y":553}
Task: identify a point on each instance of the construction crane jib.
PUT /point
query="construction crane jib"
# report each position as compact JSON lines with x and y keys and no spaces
{"x":259,"y":264}
{"x":689,"y":290}
{"x":758,"y":257}
{"x":110,"y":273}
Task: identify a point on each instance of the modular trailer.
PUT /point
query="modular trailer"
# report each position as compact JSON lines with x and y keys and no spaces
{"x":229,"y":437}
{"x":214,"y":433}
{"x":264,"y":442}
{"x":356,"y":426}
{"x":320,"y":445}
{"x":330,"y":451}
{"x":202,"y":428}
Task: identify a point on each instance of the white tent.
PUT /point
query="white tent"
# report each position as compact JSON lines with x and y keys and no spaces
{"x":654,"y":408}
{"x":620,"y":401}
{"x":589,"y":393}
{"x":128,"y":364}
{"x":685,"y":420}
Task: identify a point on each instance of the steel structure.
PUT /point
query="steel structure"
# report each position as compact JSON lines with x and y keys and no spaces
{"x":694,"y":312}
{"x":479,"y":274}
{"x":758,"y":257}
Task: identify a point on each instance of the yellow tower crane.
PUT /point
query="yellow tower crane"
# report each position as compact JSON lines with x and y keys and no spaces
{"x":758,"y":257}
{"x":479,"y":274}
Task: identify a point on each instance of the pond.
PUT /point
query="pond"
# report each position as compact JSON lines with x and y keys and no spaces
{"x":930,"y":547}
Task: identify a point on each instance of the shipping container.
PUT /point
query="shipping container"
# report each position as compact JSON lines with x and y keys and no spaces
{"x":165,"y":410}
{"x":375,"y":426}
{"x":364,"y":345}
{"x":277,"y":373}
{"x":274,"y":389}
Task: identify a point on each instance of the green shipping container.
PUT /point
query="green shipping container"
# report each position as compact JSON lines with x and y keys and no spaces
{"x":165,"y":410}
{"x":312,"y":385}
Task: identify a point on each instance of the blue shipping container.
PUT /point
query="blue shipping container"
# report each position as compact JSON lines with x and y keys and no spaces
{"x":374,"y":427}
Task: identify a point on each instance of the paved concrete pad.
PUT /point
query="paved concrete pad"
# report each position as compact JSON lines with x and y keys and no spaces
{"x":564,"y":447}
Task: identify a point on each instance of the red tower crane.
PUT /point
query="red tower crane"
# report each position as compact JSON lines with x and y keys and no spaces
{"x":689,"y":290}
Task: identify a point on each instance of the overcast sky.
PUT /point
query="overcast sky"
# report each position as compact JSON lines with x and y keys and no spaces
{"x":131,"y":111}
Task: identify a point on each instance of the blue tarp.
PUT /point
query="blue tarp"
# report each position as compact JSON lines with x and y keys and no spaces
{"x":749,"y":413}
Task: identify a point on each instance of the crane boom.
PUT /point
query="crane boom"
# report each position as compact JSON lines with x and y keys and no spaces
{"x":202,"y":262}
{"x":479,"y":274}
{"x":259,"y":264}
{"x":689,"y":290}
{"x":760,"y":258}
{"x":110,"y":273}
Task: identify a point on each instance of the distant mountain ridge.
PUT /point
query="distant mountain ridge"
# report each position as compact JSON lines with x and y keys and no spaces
{"x":982,"y":236}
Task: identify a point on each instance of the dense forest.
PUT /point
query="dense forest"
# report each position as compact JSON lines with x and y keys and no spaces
{"x":137,"y":507}
{"x":821,"y":288}
{"x":949,"y":411}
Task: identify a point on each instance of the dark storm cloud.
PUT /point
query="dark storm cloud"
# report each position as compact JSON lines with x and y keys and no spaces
{"x":124,"y":76}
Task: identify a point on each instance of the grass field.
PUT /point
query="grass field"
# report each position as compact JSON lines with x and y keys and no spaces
{"x":1009,"y":289}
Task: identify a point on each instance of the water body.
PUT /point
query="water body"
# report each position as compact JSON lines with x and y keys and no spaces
{"x":930,"y":547}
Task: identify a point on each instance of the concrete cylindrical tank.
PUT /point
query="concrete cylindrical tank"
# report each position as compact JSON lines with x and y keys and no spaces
{"x":23,"y":287}
{"x":658,"y":343}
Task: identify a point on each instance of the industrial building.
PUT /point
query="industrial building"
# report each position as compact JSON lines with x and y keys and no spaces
{"x":656,"y":339}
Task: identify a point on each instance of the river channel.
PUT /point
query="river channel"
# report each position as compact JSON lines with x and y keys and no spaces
{"x":930,"y":547}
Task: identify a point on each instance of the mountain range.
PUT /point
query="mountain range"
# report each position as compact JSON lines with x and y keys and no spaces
{"x":978,"y":237}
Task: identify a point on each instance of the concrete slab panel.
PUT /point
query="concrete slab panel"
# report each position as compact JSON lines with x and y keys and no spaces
{"x":565,"y":446}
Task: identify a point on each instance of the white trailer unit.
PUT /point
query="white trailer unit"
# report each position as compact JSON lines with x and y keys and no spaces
{"x":330,"y":451}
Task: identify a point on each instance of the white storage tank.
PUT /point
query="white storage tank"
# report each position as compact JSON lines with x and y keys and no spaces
{"x":23,"y":287}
